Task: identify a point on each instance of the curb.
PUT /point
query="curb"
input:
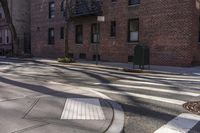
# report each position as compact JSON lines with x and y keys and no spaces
{"x":124,"y":69}
{"x":149,"y":71}
{"x":99,"y":66}
{"x":117,"y":124}
{"x":20,"y":59}
{"x":114,"y":68}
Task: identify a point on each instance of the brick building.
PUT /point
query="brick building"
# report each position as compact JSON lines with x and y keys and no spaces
{"x":169,"y":27}
{"x":5,"y":35}
{"x":20,"y":13}
{"x":42,"y":23}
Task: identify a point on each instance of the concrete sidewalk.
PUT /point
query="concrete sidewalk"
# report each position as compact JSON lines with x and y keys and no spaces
{"x":55,"y":107}
{"x":128,"y":67}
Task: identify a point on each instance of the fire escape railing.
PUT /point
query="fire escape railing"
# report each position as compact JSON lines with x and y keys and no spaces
{"x":80,"y":8}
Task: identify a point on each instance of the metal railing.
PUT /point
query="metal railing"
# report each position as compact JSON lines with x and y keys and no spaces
{"x":85,"y":8}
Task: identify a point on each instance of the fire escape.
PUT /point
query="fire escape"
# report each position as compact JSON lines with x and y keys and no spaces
{"x":80,"y":8}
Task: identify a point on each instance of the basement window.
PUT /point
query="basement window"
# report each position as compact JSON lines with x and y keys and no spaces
{"x":134,"y":2}
{"x":94,"y":57}
{"x":82,"y":56}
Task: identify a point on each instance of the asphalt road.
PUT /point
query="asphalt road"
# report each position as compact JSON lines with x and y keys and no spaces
{"x":151,"y":102}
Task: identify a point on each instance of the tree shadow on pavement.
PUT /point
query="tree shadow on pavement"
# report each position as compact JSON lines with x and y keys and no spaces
{"x":136,"y":109}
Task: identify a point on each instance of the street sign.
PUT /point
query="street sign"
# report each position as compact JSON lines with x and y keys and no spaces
{"x":101,"y":18}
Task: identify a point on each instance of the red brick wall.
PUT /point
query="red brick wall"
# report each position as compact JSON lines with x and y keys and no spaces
{"x":39,"y":37}
{"x":167,"y":26}
{"x":196,"y":23}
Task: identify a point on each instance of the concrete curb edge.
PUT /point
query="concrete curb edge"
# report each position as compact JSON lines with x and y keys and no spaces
{"x":100,"y":66}
{"x":117,"y":124}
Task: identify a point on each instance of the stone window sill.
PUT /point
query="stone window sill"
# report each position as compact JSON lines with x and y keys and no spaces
{"x":136,"y":5}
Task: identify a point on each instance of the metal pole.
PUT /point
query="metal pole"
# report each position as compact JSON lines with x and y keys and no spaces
{"x":97,"y":54}
{"x":97,"y":45}
{"x":66,"y":38}
{"x":66,"y":28}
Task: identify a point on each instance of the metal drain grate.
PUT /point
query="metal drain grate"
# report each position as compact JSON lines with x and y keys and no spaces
{"x":193,"y":107}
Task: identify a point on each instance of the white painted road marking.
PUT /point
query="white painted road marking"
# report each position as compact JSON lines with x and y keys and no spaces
{"x":143,"y":82}
{"x":151,"y":89}
{"x":197,"y":74}
{"x":181,"y":124}
{"x":174,"y":79}
{"x":82,"y":109}
{"x":155,"y":98}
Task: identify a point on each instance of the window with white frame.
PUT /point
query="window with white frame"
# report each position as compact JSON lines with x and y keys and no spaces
{"x":133,"y":30}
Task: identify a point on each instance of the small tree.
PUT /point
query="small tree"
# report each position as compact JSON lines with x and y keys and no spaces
{"x":4,"y":4}
{"x":67,"y":4}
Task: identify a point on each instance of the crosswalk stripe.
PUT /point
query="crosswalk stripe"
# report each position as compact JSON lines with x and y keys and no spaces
{"x":150,"y":89}
{"x":181,"y":124}
{"x":175,"y":79}
{"x":173,"y":76}
{"x":153,"y":76}
{"x":95,"y":71}
{"x":191,"y":78}
{"x":132,"y":77}
{"x":143,"y":82}
{"x":155,"y":98}
{"x":197,"y":74}
{"x":73,"y":109}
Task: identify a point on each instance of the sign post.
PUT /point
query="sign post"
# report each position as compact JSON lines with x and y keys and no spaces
{"x":100,"y":19}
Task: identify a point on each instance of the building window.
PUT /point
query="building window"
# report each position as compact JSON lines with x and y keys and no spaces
{"x":1,"y":37}
{"x":7,"y":39}
{"x":79,"y":34}
{"x":113,"y":29}
{"x":95,"y":33}
{"x":133,"y":2}
{"x":133,"y":30}
{"x":199,"y":28}
{"x":51,"y":10}
{"x":62,"y":33}
{"x":51,"y":36}
{"x":82,"y":56}
{"x":6,"y":36}
{"x":1,"y":16}
{"x":62,"y":6}
{"x":94,"y":57}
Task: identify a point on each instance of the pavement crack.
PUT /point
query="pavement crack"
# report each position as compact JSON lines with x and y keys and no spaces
{"x":30,"y":108}
{"x":30,"y":128}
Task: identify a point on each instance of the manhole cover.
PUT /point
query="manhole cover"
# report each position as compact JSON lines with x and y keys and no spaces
{"x":193,"y":107}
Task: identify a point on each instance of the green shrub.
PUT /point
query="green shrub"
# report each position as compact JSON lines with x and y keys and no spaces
{"x":66,"y":60}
